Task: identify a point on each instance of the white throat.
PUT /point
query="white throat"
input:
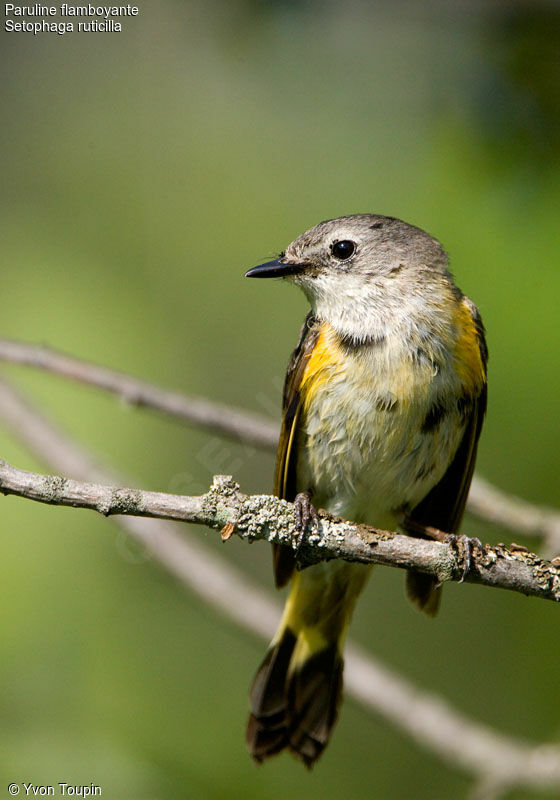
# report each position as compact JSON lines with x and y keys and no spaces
{"x":365,"y":309}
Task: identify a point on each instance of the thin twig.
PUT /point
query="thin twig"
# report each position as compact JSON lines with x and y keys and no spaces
{"x":485,"y":501}
{"x":491,"y":504}
{"x":258,"y":517}
{"x":242,"y":425}
{"x":430,"y":721}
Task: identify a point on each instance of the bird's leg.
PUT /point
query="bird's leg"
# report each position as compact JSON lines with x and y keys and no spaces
{"x":467,"y":544}
{"x":460,"y":543}
{"x":305,"y":512}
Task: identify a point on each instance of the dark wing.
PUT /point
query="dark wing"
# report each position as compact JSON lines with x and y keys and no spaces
{"x":444,"y":506}
{"x":285,"y":474}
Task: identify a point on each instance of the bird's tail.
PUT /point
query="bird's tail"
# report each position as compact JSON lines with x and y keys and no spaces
{"x":296,"y":692}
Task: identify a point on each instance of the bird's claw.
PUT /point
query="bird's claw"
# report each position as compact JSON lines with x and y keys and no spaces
{"x":465,"y":545}
{"x":305,"y":513}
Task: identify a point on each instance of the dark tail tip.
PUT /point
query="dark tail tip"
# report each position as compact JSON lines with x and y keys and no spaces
{"x":267,"y":731}
{"x":294,"y":706}
{"x":314,"y":693}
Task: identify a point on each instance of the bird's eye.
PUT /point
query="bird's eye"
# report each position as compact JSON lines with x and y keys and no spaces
{"x":343,"y":250}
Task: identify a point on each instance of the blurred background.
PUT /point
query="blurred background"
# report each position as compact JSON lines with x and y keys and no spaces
{"x":142,"y":173}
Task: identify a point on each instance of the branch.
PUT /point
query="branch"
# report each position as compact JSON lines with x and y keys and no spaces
{"x":491,"y":504}
{"x":485,"y":501}
{"x":242,"y":425}
{"x":430,"y":721}
{"x":265,"y":517}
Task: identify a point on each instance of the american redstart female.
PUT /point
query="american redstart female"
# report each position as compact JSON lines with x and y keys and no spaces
{"x":384,"y":400}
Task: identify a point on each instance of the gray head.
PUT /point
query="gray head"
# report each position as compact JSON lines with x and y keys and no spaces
{"x":353,"y":268}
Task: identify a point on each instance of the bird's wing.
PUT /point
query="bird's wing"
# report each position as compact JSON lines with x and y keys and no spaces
{"x":286,"y":459}
{"x":444,"y":505}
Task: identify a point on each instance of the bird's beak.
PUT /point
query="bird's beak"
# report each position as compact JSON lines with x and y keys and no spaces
{"x":275,"y":269}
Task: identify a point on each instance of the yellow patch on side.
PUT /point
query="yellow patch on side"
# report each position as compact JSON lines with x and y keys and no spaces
{"x":467,"y":357}
{"x":325,"y":360}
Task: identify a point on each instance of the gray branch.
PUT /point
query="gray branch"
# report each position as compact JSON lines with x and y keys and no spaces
{"x":485,"y":501}
{"x":257,"y":517}
{"x":241,"y":425}
{"x":496,"y":760}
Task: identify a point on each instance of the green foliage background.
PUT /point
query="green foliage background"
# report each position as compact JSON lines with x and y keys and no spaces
{"x":142,"y":174}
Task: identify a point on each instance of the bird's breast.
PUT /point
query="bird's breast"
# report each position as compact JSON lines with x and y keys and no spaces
{"x":380,"y":422}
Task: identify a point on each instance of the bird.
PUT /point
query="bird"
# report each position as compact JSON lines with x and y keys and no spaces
{"x":383,"y":404}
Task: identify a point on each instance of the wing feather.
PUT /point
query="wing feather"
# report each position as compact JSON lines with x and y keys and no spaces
{"x":286,"y":458}
{"x":444,"y":506}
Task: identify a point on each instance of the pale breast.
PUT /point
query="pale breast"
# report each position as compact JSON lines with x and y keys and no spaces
{"x":380,"y":425}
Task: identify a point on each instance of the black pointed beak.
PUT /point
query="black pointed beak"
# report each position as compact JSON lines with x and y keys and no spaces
{"x":275,"y":269}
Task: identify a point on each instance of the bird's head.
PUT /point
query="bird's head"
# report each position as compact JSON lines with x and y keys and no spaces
{"x":354,"y":267}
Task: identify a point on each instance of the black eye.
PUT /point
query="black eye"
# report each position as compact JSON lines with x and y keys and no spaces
{"x":343,"y":250}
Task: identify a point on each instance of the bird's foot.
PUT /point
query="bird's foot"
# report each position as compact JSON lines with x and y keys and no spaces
{"x":305,"y":513}
{"x":464,"y":547}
